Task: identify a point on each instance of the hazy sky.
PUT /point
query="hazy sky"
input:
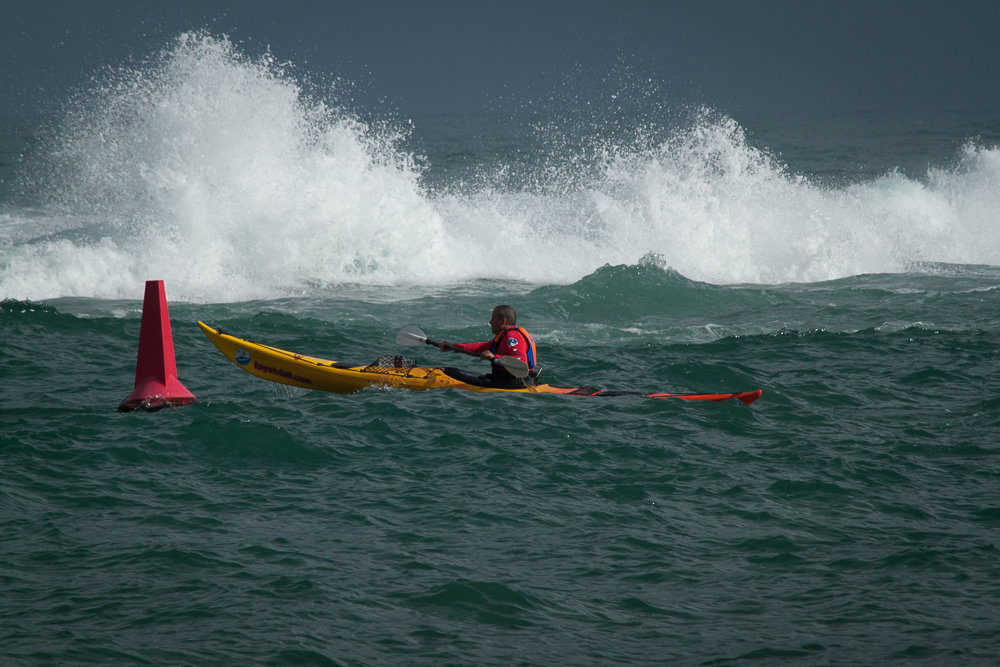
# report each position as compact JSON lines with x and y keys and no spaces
{"x":419,"y":57}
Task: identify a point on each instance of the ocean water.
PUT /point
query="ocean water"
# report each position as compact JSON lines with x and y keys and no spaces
{"x":846,"y":264}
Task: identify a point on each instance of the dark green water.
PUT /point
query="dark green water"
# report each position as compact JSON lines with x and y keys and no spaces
{"x":849,"y":516}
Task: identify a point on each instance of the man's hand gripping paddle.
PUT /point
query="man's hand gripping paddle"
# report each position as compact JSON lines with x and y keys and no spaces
{"x":412,"y":335}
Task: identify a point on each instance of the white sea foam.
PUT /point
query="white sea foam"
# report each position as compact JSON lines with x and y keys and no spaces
{"x":217,"y":173}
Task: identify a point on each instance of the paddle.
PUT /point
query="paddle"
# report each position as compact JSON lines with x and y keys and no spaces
{"x":412,"y":335}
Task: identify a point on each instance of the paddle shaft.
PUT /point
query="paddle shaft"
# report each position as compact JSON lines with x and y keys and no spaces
{"x":450,"y":347}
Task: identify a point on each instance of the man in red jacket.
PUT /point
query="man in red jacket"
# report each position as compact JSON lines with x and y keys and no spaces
{"x":509,"y":339}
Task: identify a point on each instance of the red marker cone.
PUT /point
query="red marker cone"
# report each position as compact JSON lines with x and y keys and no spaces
{"x":156,"y":383}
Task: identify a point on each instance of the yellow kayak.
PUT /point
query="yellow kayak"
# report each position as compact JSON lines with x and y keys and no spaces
{"x":299,"y":370}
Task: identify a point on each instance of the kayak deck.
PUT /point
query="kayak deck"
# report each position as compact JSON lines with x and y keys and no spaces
{"x":299,"y":370}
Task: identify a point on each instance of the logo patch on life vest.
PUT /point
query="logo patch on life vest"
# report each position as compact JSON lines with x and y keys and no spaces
{"x":512,"y":341}
{"x":242,"y":357}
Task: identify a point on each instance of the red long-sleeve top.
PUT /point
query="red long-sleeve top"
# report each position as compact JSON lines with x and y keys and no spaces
{"x":511,"y":343}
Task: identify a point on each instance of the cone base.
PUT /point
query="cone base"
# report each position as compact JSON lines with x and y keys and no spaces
{"x":152,"y":396}
{"x":154,"y":403}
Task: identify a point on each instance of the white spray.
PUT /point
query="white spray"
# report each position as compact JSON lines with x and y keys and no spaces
{"x":217,"y":173}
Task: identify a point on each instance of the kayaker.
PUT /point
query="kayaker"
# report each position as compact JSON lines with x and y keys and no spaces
{"x":509,"y":339}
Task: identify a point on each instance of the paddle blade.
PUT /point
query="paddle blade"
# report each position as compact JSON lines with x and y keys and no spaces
{"x":515,"y":366}
{"x":410,"y":335}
